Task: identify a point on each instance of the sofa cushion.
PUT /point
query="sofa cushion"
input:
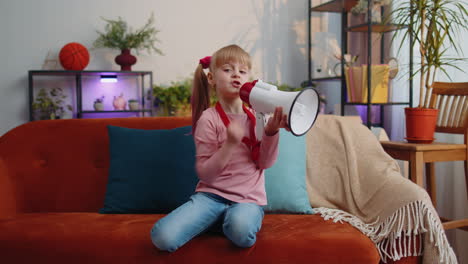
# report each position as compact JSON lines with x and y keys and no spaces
{"x":144,"y":176}
{"x":125,"y":238}
{"x":151,"y":171}
{"x":285,"y":181}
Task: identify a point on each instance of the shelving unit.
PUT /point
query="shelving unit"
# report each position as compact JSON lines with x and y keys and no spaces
{"x":142,"y":87}
{"x":343,"y":7}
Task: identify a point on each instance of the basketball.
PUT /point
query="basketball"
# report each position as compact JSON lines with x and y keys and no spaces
{"x":74,"y":56}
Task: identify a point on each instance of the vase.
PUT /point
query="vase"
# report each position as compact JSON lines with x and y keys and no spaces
{"x":134,"y":106}
{"x":119,"y":102}
{"x":125,"y":60}
{"x":98,"y":106}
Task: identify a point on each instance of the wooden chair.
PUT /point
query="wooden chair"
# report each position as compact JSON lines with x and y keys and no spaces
{"x":452,"y":101}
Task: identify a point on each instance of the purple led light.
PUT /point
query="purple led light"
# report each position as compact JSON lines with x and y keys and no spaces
{"x":108,"y":78}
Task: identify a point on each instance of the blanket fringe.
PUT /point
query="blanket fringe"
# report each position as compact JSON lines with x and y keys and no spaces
{"x":396,"y":236}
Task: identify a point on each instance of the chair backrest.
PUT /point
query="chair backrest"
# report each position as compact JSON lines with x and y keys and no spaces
{"x":452,"y":101}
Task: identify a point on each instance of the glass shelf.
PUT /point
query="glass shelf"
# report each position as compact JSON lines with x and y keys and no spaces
{"x":375,"y":27}
{"x":88,"y":73}
{"x":116,"y":111}
{"x":83,"y":87}
{"x":310,"y":82}
{"x":326,"y":79}
{"x":336,"y":6}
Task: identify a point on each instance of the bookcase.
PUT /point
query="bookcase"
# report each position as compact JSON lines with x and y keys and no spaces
{"x":370,"y":29}
{"x":81,"y":89}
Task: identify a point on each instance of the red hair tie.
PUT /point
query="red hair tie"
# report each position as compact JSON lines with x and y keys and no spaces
{"x":205,"y":62}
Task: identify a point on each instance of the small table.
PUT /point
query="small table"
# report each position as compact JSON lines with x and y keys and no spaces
{"x":420,"y":155}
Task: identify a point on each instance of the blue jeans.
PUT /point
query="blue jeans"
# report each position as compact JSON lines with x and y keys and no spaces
{"x":239,"y":222}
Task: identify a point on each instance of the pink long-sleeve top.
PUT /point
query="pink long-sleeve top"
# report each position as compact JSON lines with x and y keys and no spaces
{"x":240,"y":179}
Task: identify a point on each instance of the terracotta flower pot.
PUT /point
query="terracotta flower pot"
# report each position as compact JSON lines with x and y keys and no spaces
{"x":125,"y":60}
{"x":420,"y":124}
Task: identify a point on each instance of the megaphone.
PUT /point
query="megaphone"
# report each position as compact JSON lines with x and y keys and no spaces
{"x":300,"y":107}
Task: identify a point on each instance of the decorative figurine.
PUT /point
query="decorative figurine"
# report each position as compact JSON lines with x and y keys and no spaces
{"x":119,"y":103}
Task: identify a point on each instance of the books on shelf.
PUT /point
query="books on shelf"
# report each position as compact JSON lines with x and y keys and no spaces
{"x":356,"y":83}
{"x":379,"y":83}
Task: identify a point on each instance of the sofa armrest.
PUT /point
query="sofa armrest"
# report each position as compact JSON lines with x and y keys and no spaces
{"x":8,"y":205}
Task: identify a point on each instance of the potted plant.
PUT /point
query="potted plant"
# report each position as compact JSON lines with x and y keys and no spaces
{"x":50,"y":104}
{"x":433,"y":25}
{"x":133,"y":104}
{"x":167,"y":99}
{"x":99,"y":104}
{"x":173,"y":99}
{"x":117,"y":35}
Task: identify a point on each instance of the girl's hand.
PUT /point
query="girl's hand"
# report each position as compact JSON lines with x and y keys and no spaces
{"x":276,"y":122}
{"x":235,"y":133}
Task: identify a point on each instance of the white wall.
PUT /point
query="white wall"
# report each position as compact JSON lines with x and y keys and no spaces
{"x":273,"y":31}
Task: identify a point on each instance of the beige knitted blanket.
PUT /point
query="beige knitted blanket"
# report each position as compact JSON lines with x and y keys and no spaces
{"x":350,"y":178}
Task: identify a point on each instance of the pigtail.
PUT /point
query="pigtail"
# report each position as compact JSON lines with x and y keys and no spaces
{"x":200,"y":99}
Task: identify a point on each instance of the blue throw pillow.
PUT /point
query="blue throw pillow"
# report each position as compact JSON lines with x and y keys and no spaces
{"x":285,"y":181}
{"x":151,"y":171}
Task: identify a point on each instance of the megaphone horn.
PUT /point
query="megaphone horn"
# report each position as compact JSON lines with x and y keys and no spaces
{"x":300,"y":107}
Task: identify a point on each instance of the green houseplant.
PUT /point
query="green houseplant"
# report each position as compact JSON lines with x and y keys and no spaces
{"x":118,"y":35}
{"x":173,"y":99}
{"x":433,"y":25}
{"x":49,"y":104}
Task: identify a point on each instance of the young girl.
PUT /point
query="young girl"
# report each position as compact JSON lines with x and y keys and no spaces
{"x":229,"y":160}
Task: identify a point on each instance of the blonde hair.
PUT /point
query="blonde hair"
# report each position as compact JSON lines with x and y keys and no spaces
{"x":200,"y":99}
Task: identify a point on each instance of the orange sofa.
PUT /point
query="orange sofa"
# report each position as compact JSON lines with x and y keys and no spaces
{"x":53,"y":177}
